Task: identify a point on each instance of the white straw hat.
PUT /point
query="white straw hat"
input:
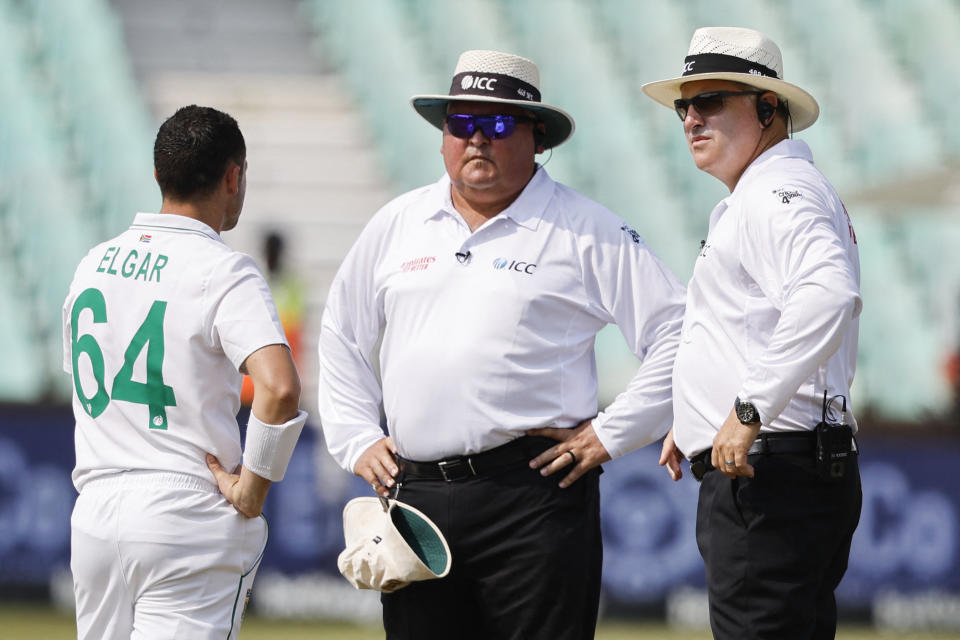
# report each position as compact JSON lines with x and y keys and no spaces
{"x":740,"y":55}
{"x":387,"y":549}
{"x":492,"y":76}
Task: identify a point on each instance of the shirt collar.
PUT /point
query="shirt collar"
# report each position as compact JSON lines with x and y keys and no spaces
{"x":784,"y":149}
{"x":526,"y":210}
{"x":438,"y":201}
{"x":174,"y":221}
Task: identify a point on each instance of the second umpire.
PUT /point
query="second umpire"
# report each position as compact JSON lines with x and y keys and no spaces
{"x":762,"y":380}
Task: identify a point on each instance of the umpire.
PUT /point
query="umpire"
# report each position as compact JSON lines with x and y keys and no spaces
{"x":762,"y":379}
{"x":490,"y":286}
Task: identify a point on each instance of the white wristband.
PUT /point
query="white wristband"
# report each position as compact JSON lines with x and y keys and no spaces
{"x":269,"y":447}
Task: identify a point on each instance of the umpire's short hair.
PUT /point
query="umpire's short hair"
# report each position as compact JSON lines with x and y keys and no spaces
{"x":193,"y":149}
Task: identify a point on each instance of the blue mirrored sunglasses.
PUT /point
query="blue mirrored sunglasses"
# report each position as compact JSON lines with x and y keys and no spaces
{"x":495,"y":127}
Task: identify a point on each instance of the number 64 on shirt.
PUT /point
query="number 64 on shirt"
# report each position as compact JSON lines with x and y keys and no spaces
{"x":153,"y":393}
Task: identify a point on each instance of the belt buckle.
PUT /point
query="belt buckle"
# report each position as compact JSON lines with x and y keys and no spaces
{"x":760,"y":445}
{"x":456,"y":469}
{"x":698,"y":469}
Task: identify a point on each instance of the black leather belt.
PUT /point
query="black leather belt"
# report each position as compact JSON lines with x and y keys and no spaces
{"x":515,"y":452}
{"x":766,"y":443}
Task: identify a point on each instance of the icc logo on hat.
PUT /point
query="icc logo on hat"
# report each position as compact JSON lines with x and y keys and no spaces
{"x":477,"y":82}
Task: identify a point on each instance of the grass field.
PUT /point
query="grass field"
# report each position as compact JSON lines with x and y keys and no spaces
{"x":29,"y":622}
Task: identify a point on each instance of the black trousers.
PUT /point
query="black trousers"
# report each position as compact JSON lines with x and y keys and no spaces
{"x":526,"y":554}
{"x":775,"y":548}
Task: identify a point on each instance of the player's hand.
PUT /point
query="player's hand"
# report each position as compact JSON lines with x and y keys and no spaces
{"x":670,"y":457}
{"x":246,"y":491}
{"x":378,"y":466}
{"x":578,"y":446}
{"x":731,"y":445}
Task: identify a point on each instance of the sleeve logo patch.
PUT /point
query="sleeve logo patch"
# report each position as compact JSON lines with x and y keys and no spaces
{"x":788,"y":193}
{"x":633,"y":234}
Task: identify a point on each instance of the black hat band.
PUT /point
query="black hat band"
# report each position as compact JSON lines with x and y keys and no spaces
{"x":493,"y":85}
{"x":721,"y":63}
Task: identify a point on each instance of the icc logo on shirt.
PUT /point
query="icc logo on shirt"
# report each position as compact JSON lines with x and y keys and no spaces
{"x":514,"y":265}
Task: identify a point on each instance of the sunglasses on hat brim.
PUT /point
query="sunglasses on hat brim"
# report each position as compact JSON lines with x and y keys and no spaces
{"x":494,"y":127}
{"x":707,"y":103}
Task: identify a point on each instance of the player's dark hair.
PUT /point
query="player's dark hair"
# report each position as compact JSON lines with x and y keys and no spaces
{"x":193,"y":150}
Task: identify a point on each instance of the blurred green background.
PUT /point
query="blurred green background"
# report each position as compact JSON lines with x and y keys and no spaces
{"x":320,"y":89}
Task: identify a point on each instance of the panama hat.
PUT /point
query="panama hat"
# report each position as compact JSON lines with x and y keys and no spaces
{"x":492,"y":76}
{"x":740,"y":55}
{"x":390,"y":544}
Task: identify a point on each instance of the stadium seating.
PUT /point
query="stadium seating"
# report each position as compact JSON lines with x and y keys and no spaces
{"x":878,"y":104}
{"x":110,"y":128}
{"x":901,"y":355}
{"x":647,"y":54}
{"x":617,"y":161}
{"x":383,"y":78}
{"x":449,"y":28}
{"x":74,"y":160}
{"x":22,"y":373}
{"x":75,"y":140}
{"x":929,"y":241}
{"x":923,"y":34}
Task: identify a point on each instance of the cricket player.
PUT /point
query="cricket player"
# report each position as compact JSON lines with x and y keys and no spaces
{"x":159,"y":324}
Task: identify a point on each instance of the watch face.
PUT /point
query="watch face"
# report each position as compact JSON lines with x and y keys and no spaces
{"x":747,"y":413}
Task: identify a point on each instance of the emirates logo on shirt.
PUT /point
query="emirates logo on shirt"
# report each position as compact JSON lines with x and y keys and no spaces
{"x":419,"y":264}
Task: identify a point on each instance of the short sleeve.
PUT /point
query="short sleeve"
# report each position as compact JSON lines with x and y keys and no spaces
{"x":242,"y":315}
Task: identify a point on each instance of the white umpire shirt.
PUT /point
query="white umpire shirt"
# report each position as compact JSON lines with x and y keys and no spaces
{"x":477,"y":349}
{"x":773,"y":304}
{"x":156,"y":324}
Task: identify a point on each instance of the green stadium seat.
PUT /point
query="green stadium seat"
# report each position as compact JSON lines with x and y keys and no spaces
{"x":383,"y":78}
{"x":619,"y":162}
{"x":901,"y":354}
{"x":924,"y":33}
{"x":447,"y":29}
{"x":887,"y":136}
{"x":74,"y":159}
{"x":24,"y":367}
{"x":111,"y":131}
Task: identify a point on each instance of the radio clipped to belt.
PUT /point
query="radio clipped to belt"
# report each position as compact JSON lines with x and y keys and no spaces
{"x":835,"y":442}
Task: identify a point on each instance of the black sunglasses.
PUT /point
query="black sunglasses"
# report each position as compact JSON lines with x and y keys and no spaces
{"x":495,"y":127}
{"x":707,"y":103}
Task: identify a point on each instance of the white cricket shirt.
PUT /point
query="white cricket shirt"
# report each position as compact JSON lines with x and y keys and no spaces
{"x":773,"y":304}
{"x":478,"y":349}
{"x":156,"y":324}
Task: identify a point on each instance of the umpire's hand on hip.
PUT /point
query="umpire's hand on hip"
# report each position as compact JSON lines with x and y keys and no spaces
{"x":378,"y":466}
{"x":578,"y":446}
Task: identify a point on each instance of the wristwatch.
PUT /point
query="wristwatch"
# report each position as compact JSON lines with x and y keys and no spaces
{"x":746,"y":412}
